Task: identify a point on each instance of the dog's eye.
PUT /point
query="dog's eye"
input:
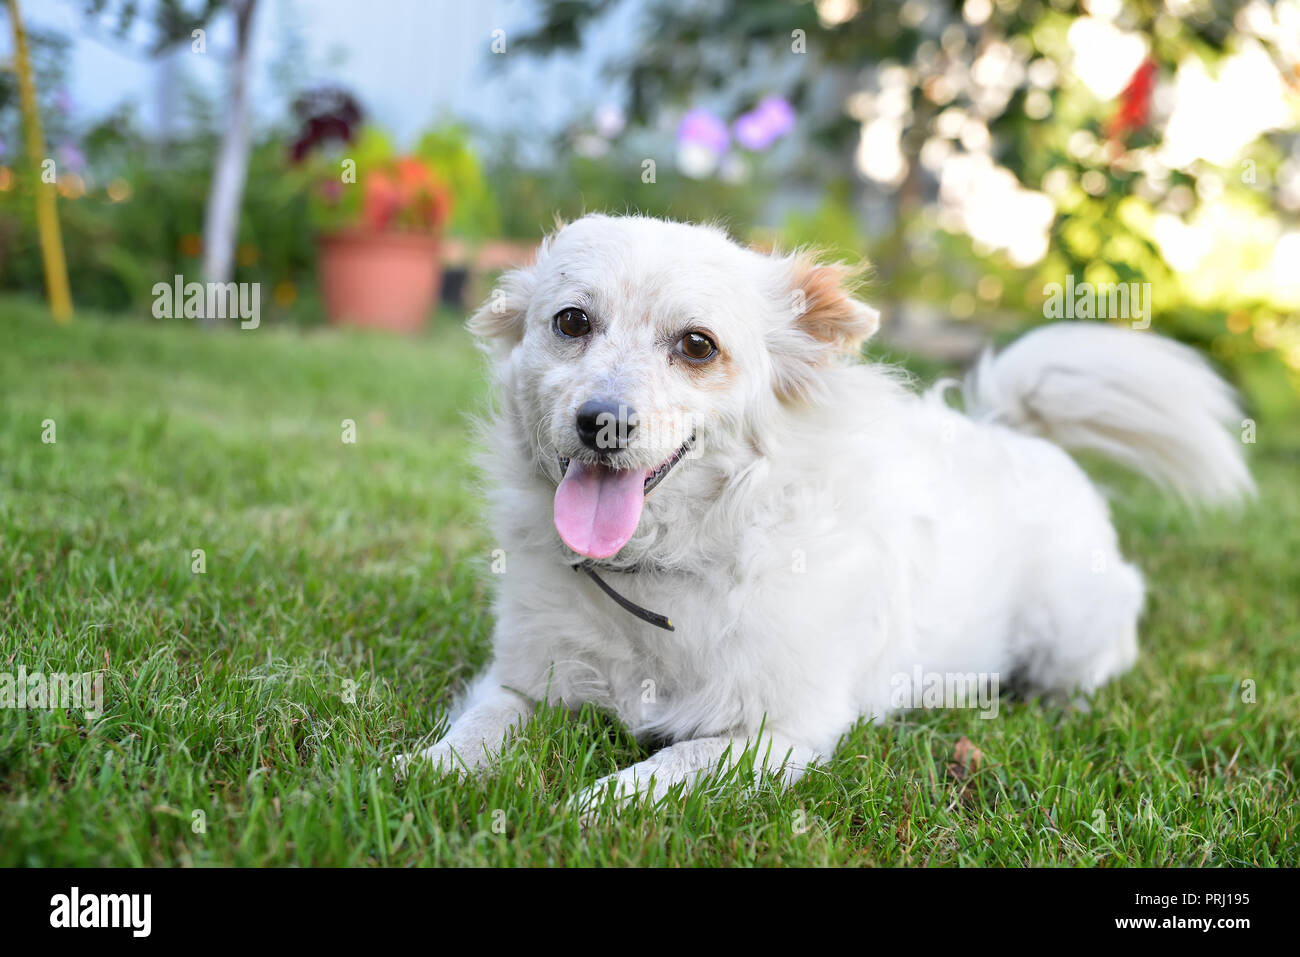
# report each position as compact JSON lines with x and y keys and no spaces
{"x":697,"y":347}
{"x":572,"y":322}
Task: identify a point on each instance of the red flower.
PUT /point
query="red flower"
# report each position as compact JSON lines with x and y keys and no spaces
{"x":406,"y":194}
{"x":381,"y":203}
{"x":1134,"y":102}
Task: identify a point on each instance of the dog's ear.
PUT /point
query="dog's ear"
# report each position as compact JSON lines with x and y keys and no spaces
{"x":826,"y":320}
{"x":501,"y":317}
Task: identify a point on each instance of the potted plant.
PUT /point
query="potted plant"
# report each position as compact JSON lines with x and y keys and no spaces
{"x":379,"y":218}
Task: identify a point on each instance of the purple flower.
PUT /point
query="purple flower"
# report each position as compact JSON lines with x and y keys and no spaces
{"x":699,"y":127}
{"x":72,"y":158}
{"x":762,"y":126}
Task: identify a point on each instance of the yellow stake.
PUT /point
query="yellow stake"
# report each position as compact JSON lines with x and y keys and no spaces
{"x":47,"y":213}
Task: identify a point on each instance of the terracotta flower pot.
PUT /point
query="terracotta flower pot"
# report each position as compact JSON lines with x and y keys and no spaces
{"x":381,"y":280}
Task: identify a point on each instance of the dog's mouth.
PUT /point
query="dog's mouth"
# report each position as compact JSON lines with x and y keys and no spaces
{"x":598,"y":507}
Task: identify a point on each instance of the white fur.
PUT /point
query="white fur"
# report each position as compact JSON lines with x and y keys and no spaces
{"x":821,"y":540}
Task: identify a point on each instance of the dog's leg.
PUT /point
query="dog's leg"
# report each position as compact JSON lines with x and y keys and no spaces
{"x":476,"y":737}
{"x":687,"y":761}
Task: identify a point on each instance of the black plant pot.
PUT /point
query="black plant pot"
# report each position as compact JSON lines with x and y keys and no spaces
{"x":455,"y":280}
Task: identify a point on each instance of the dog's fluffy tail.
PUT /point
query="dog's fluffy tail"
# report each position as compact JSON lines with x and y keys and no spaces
{"x":1149,"y":403}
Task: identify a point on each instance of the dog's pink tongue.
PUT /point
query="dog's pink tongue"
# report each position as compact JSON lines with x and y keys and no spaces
{"x":597,"y":509}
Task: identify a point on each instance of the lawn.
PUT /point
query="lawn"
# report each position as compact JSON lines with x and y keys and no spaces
{"x":251,"y":708}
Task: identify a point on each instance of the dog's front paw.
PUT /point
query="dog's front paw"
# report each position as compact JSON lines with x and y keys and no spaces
{"x":605,"y":797}
{"x":441,"y":758}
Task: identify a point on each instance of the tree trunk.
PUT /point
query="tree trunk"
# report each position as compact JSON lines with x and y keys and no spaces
{"x":221,"y":219}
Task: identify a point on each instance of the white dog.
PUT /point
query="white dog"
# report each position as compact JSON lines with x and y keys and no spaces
{"x":726,"y":531}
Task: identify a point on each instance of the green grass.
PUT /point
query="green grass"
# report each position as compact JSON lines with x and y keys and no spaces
{"x":332,"y":566}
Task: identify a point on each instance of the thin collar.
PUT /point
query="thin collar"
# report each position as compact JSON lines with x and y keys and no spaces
{"x":645,"y":614}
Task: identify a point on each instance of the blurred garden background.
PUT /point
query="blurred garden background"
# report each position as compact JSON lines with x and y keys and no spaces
{"x":974,"y":151}
{"x":266,"y":536}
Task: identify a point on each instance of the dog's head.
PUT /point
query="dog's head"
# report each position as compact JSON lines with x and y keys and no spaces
{"x":634,"y":349}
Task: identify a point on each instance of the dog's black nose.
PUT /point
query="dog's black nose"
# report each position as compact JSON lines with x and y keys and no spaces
{"x":605,"y":425}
